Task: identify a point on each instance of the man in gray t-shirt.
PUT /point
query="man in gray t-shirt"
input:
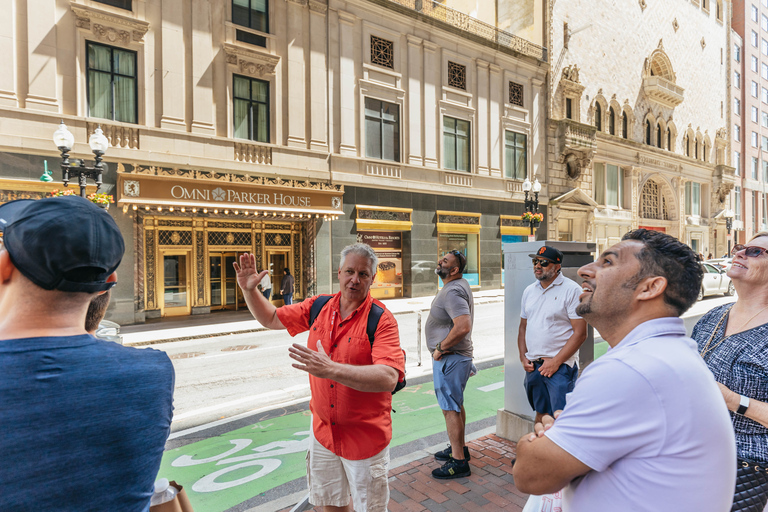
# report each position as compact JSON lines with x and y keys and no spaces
{"x":449,"y":339}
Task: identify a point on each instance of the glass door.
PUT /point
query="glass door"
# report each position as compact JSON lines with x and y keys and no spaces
{"x":214,"y":263}
{"x":278,"y":261}
{"x":175,"y":284}
{"x":225,"y":293}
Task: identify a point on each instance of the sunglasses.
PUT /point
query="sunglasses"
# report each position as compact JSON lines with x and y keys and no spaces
{"x":461,"y":257}
{"x":751,"y":251}
{"x":543,"y":263}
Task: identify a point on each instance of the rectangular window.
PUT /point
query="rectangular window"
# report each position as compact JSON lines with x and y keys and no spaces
{"x":568,"y":108}
{"x":754,"y":89}
{"x":737,"y":202}
{"x":736,"y":132}
{"x":253,"y":14}
{"x":692,"y":198}
{"x":737,"y":79}
{"x":764,"y":46}
{"x":764,"y":70}
{"x":764,"y":142}
{"x":112,"y":83}
{"x":251,"y":109}
{"x":736,"y":106}
{"x":456,"y":140}
{"x":753,"y":13}
{"x":737,"y":162}
{"x":765,"y":209}
{"x":754,"y":39}
{"x":754,"y":139}
{"x":765,"y":171}
{"x":737,"y":53}
{"x":122,"y":4}
{"x":468,"y":245}
{"x":754,"y":63}
{"x":764,"y":119}
{"x":755,"y":167}
{"x":764,"y":93}
{"x":382,"y":130}
{"x":515,"y":159}
{"x":609,"y":185}
{"x":599,"y":183}
{"x":764,"y":22}
{"x":754,"y":115}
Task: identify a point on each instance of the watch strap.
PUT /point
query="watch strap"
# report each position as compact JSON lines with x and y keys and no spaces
{"x":743,"y":405}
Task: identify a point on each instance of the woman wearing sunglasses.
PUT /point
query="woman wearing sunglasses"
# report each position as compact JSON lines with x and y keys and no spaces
{"x":733,"y":340}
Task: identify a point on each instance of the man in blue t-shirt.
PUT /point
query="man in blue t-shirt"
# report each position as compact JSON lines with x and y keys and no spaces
{"x":83,"y":421}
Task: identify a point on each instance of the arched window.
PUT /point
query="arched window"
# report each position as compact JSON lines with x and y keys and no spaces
{"x":659,"y":137}
{"x":696,"y":149}
{"x":669,"y":139}
{"x":612,"y":121}
{"x":598,"y":117}
{"x":624,"y":127}
{"x":648,"y":132}
{"x":687,"y":145}
{"x":653,"y":204}
{"x":704,"y":150}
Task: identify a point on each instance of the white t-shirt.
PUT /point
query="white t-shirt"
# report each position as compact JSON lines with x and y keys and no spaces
{"x":266,"y":282}
{"x":549,"y":312}
{"x":650,"y":421}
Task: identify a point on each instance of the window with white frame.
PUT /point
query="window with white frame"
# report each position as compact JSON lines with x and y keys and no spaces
{"x":737,"y":202}
{"x":737,"y":79}
{"x":753,"y":13}
{"x":755,"y":167}
{"x":737,"y":162}
{"x":609,"y":185}
{"x":737,"y":106}
{"x":754,"y":62}
{"x":753,"y":116}
{"x":764,"y":46}
{"x":754,"y":139}
{"x":764,"y":94}
{"x":764,"y":22}
{"x":382,"y":130}
{"x":737,"y":52}
{"x":754,"y":39}
{"x":765,"y":3}
{"x":515,"y":155}
{"x":754,"y":89}
{"x":764,"y":119}
{"x":456,"y":144}
{"x":692,"y":198}
{"x":736,"y":132}
{"x":765,"y":171}
{"x":111,"y":83}
{"x":764,"y":70}
{"x":764,"y":143}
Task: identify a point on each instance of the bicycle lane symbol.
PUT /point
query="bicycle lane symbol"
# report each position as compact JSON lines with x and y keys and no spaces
{"x":263,"y":458}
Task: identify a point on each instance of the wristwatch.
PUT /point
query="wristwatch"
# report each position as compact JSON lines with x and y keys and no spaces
{"x":440,"y":349}
{"x":743,"y":405}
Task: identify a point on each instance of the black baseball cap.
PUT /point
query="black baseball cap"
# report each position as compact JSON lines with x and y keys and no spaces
{"x":62,"y":243}
{"x":548,"y":253}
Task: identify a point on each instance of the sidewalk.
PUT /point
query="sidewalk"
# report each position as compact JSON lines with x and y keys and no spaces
{"x":490,"y":487}
{"x":231,"y":322}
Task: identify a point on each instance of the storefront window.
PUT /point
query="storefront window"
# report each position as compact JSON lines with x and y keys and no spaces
{"x":467,"y":244}
{"x":509,"y":239}
{"x":388,"y":245}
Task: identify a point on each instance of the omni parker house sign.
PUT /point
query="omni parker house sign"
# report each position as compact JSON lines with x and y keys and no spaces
{"x":153,"y":187}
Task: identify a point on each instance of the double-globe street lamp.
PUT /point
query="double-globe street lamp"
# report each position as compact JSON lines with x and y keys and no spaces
{"x":64,"y":140}
{"x":729,"y":215}
{"x":532,"y":214}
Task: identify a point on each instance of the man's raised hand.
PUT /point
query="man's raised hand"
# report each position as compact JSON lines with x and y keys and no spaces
{"x":247,"y":277}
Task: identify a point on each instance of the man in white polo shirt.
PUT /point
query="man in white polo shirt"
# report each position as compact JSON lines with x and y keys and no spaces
{"x":550,"y":333}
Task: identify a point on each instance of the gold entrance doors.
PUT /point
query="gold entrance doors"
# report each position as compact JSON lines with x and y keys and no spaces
{"x":278,"y":261}
{"x":176,"y":283}
{"x":225,"y":294}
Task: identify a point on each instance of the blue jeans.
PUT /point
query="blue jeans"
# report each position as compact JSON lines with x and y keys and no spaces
{"x":287,"y":298}
{"x":267,"y":293}
{"x":547,"y":394}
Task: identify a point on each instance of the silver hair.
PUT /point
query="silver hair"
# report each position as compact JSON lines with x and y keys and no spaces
{"x":363,"y":250}
{"x":758,"y":235}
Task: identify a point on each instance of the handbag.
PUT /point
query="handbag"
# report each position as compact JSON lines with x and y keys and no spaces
{"x":545,"y":503}
{"x":751,"y":487}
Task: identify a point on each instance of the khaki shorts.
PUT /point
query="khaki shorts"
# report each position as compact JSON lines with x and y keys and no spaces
{"x":331,"y":479}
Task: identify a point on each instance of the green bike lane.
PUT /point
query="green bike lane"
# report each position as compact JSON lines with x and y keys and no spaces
{"x":221,"y":469}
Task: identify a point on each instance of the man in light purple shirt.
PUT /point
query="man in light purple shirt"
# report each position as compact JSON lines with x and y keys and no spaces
{"x":645,"y":428}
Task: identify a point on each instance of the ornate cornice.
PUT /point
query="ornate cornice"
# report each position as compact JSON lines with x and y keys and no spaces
{"x":250,"y":62}
{"x":318,"y":6}
{"x":108,"y":26}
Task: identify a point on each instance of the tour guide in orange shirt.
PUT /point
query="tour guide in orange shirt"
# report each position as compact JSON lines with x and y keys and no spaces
{"x":351,"y":381}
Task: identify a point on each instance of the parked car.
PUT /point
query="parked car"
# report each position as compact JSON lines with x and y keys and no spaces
{"x":715,"y":281}
{"x":423,"y":271}
{"x":723,"y":263}
{"x":109,"y":331}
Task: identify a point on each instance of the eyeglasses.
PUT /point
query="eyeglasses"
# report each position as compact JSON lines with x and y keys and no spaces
{"x":461,"y":257}
{"x":543,"y":263}
{"x":751,"y":251}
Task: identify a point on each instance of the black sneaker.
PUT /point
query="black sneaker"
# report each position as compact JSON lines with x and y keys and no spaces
{"x":444,"y":455}
{"x":452,"y":469}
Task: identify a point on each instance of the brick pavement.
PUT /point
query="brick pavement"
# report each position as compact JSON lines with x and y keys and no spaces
{"x":490,"y":487}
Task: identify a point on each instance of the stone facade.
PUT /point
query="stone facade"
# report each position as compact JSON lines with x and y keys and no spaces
{"x":669,"y":78}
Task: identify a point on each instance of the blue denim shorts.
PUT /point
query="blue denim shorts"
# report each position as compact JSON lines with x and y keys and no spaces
{"x":450,"y":375}
{"x":547,"y":394}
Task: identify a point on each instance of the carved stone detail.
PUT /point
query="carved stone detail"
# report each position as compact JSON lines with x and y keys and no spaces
{"x":249,"y":61}
{"x":110,"y":26}
{"x":110,"y":34}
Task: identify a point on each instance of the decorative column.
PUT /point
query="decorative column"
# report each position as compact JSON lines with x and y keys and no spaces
{"x":318,"y":86}
{"x":172,"y":66}
{"x":297,"y":83}
{"x":432,"y":80}
{"x":632,"y":174}
{"x":495,"y":136}
{"x":8,"y":43}
{"x":414,"y":120}
{"x":41,"y":54}
{"x":202,"y":74}
{"x":537,"y":120}
{"x":483,"y":143}
{"x":348,"y":84}
{"x":679,"y":184}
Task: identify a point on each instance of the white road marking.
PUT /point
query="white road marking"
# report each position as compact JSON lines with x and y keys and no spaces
{"x":239,"y":401}
{"x":491,"y":387}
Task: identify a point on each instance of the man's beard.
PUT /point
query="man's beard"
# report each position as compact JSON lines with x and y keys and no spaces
{"x":441,"y":272}
{"x":545,"y":275}
{"x":584,"y":308}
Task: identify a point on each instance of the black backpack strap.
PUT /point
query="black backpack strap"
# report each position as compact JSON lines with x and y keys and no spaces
{"x":317,"y":306}
{"x":373,"y":321}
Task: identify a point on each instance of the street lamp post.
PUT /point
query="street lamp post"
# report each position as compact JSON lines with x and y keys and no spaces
{"x":729,"y":215}
{"x":532,"y":205}
{"x":64,"y":140}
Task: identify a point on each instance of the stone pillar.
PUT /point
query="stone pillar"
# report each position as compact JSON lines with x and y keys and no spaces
{"x":297,"y":80}
{"x":348,"y":84}
{"x":414,"y":120}
{"x":679,"y":184}
{"x":41,"y":54}
{"x":483,"y":96}
{"x":317,"y":69}
{"x":632,"y":174}
{"x":172,"y":66}
{"x":8,"y":37}
{"x":432,"y":80}
{"x":537,"y":152}
{"x":202,"y":71}
{"x":496,"y":137}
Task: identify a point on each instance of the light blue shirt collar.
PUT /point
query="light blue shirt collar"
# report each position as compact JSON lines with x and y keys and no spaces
{"x":666,"y":326}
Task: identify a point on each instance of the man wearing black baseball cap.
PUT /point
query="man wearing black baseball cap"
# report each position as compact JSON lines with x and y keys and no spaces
{"x":550,"y":333}
{"x":84,"y":418}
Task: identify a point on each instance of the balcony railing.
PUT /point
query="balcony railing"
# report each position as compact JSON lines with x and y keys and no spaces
{"x":663,"y":91}
{"x":454,"y":18}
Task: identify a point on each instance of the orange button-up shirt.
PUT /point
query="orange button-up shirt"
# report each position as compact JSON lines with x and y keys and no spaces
{"x":353,"y":424}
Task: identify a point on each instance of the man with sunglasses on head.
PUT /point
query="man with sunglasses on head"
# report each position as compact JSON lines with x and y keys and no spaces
{"x":550,"y":333}
{"x":449,"y":339}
